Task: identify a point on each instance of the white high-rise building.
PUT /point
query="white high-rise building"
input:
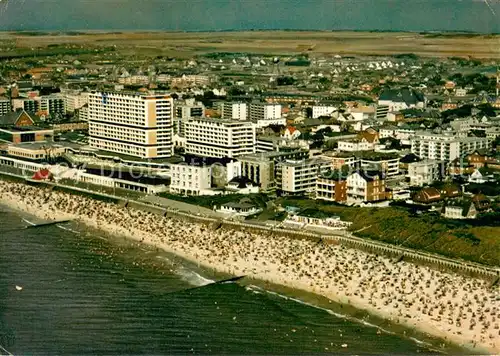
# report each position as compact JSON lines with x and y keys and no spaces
{"x":264,"y":114}
{"x":138,"y":125}
{"x":235,"y":111}
{"x":445,"y":147}
{"x":219,"y":138}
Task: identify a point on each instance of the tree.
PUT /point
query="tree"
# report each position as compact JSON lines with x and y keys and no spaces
{"x":309,"y":112}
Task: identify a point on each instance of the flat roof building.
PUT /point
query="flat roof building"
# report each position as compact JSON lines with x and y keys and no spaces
{"x":138,"y":125}
{"x":219,"y":138}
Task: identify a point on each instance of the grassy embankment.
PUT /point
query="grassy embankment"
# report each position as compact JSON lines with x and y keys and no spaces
{"x":476,"y":241}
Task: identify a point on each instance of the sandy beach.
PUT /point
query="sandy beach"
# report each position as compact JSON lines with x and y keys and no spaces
{"x":461,"y":310}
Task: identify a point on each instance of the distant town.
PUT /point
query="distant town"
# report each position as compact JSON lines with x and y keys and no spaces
{"x":380,"y":146}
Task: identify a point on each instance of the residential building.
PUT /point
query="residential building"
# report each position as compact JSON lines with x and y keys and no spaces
{"x":52,"y":105}
{"x":261,"y":167}
{"x":190,"y":80}
{"x":235,"y":111}
{"x":493,"y":132}
{"x":427,"y":195}
{"x":74,"y":100}
{"x":445,"y":147}
{"x":362,"y":113}
{"x":265,"y":114}
{"x":425,"y":172}
{"x":365,"y":141}
{"x":366,"y":186}
{"x":5,"y":106}
{"x":399,"y":99}
{"x":322,"y":110}
{"x":83,"y":113}
{"x":219,"y":138}
{"x":291,"y":133}
{"x":273,"y":143}
{"x":137,"y":125}
{"x":332,"y":186}
{"x":460,"y":210}
{"x":477,"y":177}
{"x":299,"y":177}
{"x":185,"y":111}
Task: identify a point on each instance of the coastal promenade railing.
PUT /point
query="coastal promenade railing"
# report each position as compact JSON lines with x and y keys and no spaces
{"x":342,"y":237}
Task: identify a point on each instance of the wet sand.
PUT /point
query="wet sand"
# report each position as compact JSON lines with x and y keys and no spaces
{"x":456,"y":308}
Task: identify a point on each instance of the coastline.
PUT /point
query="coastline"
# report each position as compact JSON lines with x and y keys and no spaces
{"x":275,"y":260}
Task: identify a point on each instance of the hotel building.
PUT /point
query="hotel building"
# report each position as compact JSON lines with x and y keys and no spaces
{"x":219,"y":138}
{"x":138,"y":125}
{"x":445,"y":147}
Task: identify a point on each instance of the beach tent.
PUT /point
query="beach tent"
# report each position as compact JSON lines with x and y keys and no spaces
{"x":42,"y":174}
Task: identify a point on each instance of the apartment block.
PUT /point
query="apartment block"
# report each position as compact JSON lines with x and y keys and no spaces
{"x":425,"y":172}
{"x":331,"y":187}
{"x":299,"y":177}
{"x":261,"y":167}
{"x":322,"y":110}
{"x":265,"y":114}
{"x":219,"y":138}
{"x":446,"y":147}
{"x":366,"y":186}
{"x":74,"y":100}
{"x":185,"y":111}
{"x":138,"y":125}
{"x":235,"y":111}
{"x":52,"y":105}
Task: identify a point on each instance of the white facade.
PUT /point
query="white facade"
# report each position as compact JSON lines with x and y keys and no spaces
{"x":136,"y":125}
{"x":445,"y":147}
{"x":235,"y":111}
{"x":355,"y":145}
{"x":299,"y":177}
{"x":322,"y":110}
{"x":424,"y":172}
{"x":75,"y":100}
{"x":190,"y":180}
{"x":220,"y":138}
{"x":264,"y":114}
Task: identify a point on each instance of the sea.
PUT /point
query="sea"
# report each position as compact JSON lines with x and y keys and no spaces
{"x":67,"y":290}
{"x":221,"y":15}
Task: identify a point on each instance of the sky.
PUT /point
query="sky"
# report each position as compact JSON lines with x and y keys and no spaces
{"x":213,"y":15}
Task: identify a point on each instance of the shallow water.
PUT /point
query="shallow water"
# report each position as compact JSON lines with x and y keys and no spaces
{"x":84,"y":293}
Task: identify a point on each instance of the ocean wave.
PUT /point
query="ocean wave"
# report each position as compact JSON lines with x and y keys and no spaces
{"x":257,"y":289}
{"x":192,"y":277}
{"x":28,"y":222}
{"x":329,"y":311}
{"x":68,"y":229}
